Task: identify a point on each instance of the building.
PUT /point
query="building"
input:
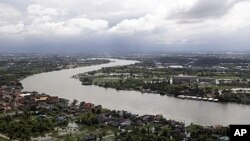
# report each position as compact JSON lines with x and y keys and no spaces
{"x":53,"y":100}
{"x":206,"y":80}
{"x":193,"y":79}
{"x":88,"y":106}
{"x":176,"y":67}
{"x":183,"y":79}
{"x":41,"y":98}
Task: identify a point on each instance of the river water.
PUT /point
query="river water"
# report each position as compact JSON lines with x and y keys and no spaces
{"x":60,"y":83}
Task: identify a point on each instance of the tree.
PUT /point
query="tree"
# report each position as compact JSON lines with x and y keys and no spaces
{"x":6,"y":99}
{"x":143,"y":131}
{"x":81,"y":104}
{"x":166,"y":132}
{"x":74,"y":102}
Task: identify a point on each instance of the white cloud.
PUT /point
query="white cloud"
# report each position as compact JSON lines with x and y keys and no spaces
{"x":74,"y":26}
{"x":12,"y":28}
{"x":238,"y":18}
{"x":171,"y":30}
{"x":10,"y":20}
{"x":155,"y":21}
{"x":39,"y":10}
{"x":8,"y":14}
{"x":38,"y":13}
{"x":143,"y":24}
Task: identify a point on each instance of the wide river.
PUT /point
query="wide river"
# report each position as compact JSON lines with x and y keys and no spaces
{"x":60,"y":83}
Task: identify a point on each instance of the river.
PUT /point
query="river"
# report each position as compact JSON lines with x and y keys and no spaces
{"x":60,"y":83}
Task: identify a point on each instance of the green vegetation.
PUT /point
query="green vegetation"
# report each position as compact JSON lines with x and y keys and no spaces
{"x":243,"y":98}
{"x":13,"y":68}
{"x":36,"y":117}
{"x":23,"y":126}
{"x":198,"y":76}
{"x":151,"y":133}
{"x":201,"y":133}
{"x":88,"y":119}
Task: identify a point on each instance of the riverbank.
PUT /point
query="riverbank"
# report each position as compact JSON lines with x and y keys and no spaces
{"x":14,"y":69}
{"x":149,"y":78}
{"x":54,"y":118}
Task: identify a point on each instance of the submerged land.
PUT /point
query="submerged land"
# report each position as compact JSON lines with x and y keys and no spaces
{"x":34,"y":116}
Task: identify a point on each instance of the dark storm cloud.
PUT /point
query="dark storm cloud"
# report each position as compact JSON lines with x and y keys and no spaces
{"x":123,"y":25}
{"x":77,"y":44}
{"x":203,"y":9}
{"x":18,"y":4}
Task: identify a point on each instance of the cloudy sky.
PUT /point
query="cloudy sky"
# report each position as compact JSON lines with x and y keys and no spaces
{"x":124,"y":25}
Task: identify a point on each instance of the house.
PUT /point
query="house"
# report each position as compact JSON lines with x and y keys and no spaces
{"x":125,"y":123}
{"x":60,"y":118}
{"x":53,"y":100}
{"x":147,"y":118}
{"x":88,"y":106}
{"x":90,"y":138}
{"x":41,"y":98}
{"x":138,"y":122}
{"x":114,"y":123}
{"x":176,"y":67}
{"x":24,"y":94}
{"x":102,"y":118}
{"x":206,"y":80}
{"x":43,"y":104}
{"x":158,"y":117}
{"x":225,"y":81}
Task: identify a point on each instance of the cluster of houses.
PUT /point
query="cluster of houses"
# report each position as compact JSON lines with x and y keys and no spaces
{"x":33,"y":99}
{"x":123,"y":120}
{"x":11,"y":99}
{"x":8,"y":94}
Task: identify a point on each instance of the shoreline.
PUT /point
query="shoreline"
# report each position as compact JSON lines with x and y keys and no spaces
{"x":184,"y":97}
{"x":122,"y":122}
